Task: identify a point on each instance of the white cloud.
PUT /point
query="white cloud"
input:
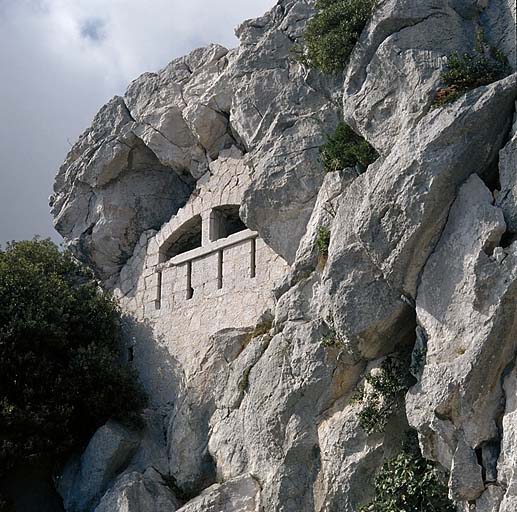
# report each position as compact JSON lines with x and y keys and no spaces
{"x":62,"y":59}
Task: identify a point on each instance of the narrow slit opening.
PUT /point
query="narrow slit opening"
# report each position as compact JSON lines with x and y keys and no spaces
{"x":220,"y":269}
{"x":190,"y":290}
{"x":158,"y":299}
{"x":253,"y":258}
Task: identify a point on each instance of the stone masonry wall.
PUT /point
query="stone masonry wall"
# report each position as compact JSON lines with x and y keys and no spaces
{"x":224,"y":283}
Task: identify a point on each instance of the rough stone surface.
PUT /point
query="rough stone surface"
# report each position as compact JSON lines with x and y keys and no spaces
{"x":238,"y":495}
{"x":85,"y":479}
{"x":111,"y":188}
{"x":500,"y":21}
{"x":465,"y":304}
{"x":199,"y":196}
{"x":466,"y":480}
{"x":390,"y":217}
{"x":507,"y":466}
{"x":507,"y":197}
{"x":134,"y":492}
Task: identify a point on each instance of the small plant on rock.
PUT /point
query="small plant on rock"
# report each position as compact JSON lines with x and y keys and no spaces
{"x":323,"y":240}
{"x":332,"y":339}
{"x":332,"y":33}
{"x":410,"y":483}
{"x":383,"y":393}
{"x":344,"y":148}
{"x":469,"y":71}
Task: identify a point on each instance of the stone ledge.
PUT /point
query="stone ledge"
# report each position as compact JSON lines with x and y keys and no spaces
{"x":200,"y":252}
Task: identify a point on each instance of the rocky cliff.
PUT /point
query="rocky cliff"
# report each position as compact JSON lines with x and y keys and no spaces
{"x":265,"y":410}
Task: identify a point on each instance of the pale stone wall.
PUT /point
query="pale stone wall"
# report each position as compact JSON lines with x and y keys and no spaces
{"x":225,"y":283}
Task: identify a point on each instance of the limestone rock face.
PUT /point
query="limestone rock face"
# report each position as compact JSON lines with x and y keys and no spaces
{"x":85,"y":480}
{"x":114,"y":450}
{"x":238,"y":495}
{"x":136,"y":165}
{"x":135,"y":492}
{"x":111,"y":188}
{"x":199,"y":197}
{"x":465,"y":305}
{"x":507,"y":463}
{"x":390,"y":217}
{"x":507,"y":198}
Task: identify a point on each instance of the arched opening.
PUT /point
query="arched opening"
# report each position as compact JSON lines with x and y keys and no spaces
{"x":186,"y":238}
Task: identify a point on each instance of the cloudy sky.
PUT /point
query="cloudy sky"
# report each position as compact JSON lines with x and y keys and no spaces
{"x":60,"y":60}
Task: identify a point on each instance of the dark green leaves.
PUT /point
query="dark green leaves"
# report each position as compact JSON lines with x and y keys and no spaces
{"x":323,"y":240}
{"x":333,"y":31}
{"x":59,"y":375}
{"x":410,"y":483}
{"x":344,"y":148}
{"x":385,"y":393}
{"x":469,"y":71}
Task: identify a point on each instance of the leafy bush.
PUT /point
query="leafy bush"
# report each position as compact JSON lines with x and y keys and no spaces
{"x":386,"y":389}
{"x":344,"y":148}
{"x":332,"y":33}
{"x":469,"y":71}
{"x":410,"y":483}
{"x":59,"y":376}
{"x":323,"y":240}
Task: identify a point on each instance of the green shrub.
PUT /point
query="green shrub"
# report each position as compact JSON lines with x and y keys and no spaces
{"x":332,"y":33}
{"x":469,"y":71}
{"x":332,"y":338}
{"x":344,"y":148}
{"x":323,"y":240}
{"x":410,"y":483}
{"x":59,"y":375}
{"x":386,"y":390}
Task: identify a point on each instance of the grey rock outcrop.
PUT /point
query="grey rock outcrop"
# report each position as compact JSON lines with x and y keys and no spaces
{"x":85,"y":479}
{"x":238,"y":495}
{"x":134,"y":492}
{"x":507,"y":463}
{"x":140,"y":456}
{"x":112,"y":188}
{"x":465,"y":304}
{"x":263,"y":415}
{"x":136,"y":165}
{"x":390,"y":218}
{"x":507,"y":197}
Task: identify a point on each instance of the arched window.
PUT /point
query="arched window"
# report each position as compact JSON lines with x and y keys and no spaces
{"x":186,"y":238}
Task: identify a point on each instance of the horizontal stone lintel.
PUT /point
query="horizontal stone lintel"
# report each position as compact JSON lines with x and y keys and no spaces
{"x":201,"y":252}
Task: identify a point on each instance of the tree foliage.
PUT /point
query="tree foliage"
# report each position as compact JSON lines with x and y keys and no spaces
{"x":59,"y":375}
{"x":332,"y":33}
